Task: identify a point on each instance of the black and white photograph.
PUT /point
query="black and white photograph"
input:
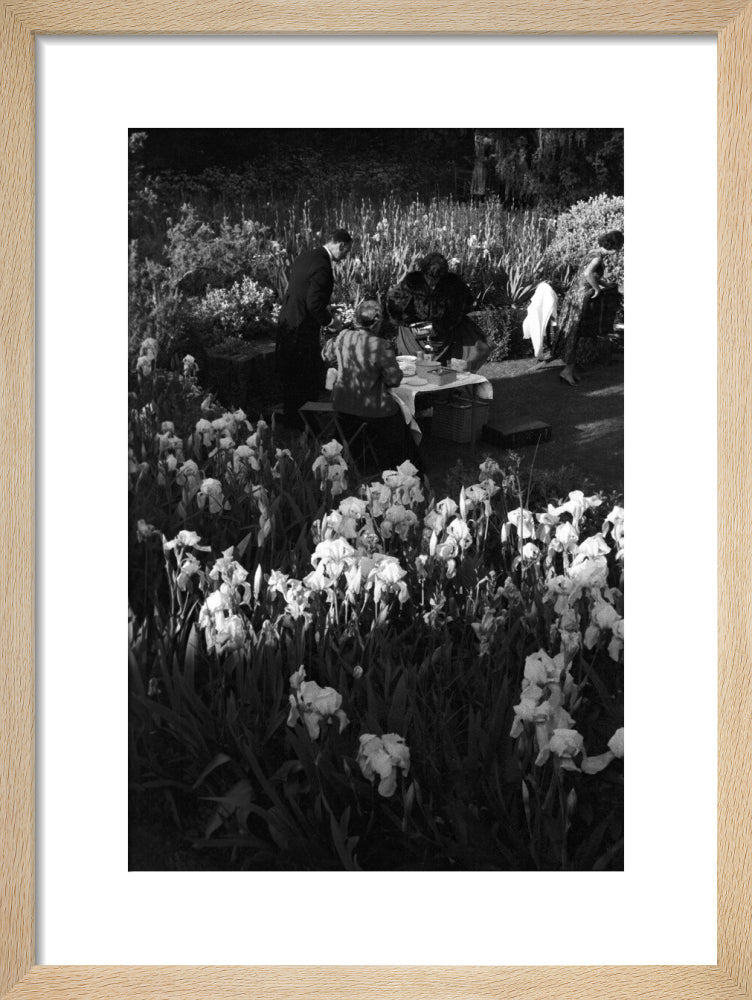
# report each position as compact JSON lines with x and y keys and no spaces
{"x":376,"y":499}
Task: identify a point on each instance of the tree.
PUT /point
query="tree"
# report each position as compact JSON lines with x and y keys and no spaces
{"x":557,"y":166}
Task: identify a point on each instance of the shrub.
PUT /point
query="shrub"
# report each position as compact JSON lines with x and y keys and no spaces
{"x":246,"y":308}
{"x":577,"y":232}
{"x":503,"y":329}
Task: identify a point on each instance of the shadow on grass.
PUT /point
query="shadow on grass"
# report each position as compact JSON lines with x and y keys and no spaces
{"x":587,"y":443}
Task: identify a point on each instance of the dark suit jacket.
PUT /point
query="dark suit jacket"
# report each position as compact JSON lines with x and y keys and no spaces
{"x":304,"y":308}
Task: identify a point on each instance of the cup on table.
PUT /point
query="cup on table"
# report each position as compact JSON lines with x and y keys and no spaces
{"x":406,"y":364}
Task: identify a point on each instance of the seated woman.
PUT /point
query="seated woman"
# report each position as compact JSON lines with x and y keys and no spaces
{"x":366,"y":369}
{"x":434,"y":295}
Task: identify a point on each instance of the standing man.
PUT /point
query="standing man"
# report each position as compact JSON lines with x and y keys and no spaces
{"x":304,"y":312}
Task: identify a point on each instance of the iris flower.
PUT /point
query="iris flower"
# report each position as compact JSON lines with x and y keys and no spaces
{"x":566,"y":744}
{"x":460,"y":531}
{"x":547,"y":522}
{"x":223,"y":629}
{"x":615,"y":523}
{"x":593,"y":547}
{"x":617,"y":640}
{"x":479,"y":495}
{"x":145,"y":530}
{"x":592,"y":765}
{"x":577,"y":504}
{"x":525,"y":711}
{"x":318,"y":581}
{"x":592,"y":573}
{"x":569,"y":633}
{"x":336,"y":555}
{"x":383,"y":757}
{"x":231,"y":573}
{"x":244,"y":458}
{"x":565,"y":539}
{"x":296,"y":603}
{"x":353,"y":507}
{"x":314,"y":705}
{"x":447,"y":508}
{"x":188,"y":477}
{"x":386,"y":578}
{"x":522,"y":520}
{"x":336,"y":525}
{"x":602,"y":616}
{"x":189,"y":568}
{"x":542,"y":669}
{"x":186,"y":539}
{"x":562,"y":591}
{"x":277,"y":582}
{"x":206,"y":432}
{"x":379,"y":496}
{"x":211,"y":493}
{"x":489,"y":468}
{"x":232,"y":634}
{"x":448,"y":549}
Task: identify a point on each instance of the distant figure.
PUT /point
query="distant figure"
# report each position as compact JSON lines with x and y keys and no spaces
{"x":366,"y":369}
{"x":589,"y":307}
{"x":435,"y":295}
{"x":304,"y":312}
{"x":483,"y":159}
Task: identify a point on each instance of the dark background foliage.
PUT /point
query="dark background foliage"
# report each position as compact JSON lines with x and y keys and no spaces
{"x":533,"y":167}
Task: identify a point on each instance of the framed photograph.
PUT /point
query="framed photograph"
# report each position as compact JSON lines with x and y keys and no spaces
{"x":80,"y":953}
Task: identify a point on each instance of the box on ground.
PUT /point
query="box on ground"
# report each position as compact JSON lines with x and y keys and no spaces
{"x":517,"y":433}
{"x":459,"y":420}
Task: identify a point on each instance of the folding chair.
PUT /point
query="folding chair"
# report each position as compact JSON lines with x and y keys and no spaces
{"x":323,"y":424}
{"x":320,"y":420}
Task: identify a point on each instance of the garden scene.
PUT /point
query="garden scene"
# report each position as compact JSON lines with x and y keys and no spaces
{"x":336,"y":663}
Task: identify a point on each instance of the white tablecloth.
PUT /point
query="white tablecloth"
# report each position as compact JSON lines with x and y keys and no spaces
{"x":405,"y":395}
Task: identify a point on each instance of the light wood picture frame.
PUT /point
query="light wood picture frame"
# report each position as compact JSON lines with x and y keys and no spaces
{"x":20,"y":22}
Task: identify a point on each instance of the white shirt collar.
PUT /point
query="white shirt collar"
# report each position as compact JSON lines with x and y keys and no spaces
{"x":329,"y":252}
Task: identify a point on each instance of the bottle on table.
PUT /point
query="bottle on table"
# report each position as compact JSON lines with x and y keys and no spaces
{"x":429,"y":351}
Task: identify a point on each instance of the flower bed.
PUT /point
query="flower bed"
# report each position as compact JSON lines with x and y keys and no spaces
{"x":327,"y":676}
{"x":214,"y":281}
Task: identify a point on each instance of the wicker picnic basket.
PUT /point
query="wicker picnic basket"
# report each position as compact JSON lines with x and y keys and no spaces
{"x":459,"y":418}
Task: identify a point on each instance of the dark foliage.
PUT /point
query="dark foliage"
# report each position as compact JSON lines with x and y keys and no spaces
{"x":525,"y":166}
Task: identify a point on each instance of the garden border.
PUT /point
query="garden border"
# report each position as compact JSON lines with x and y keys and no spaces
{"x":20,"y":22}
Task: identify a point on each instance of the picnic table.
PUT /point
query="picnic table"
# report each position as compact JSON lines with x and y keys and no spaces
{"x":411,"y":397}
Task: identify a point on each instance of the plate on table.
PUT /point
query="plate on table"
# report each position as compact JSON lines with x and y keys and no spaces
{"x":414,"y":381}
